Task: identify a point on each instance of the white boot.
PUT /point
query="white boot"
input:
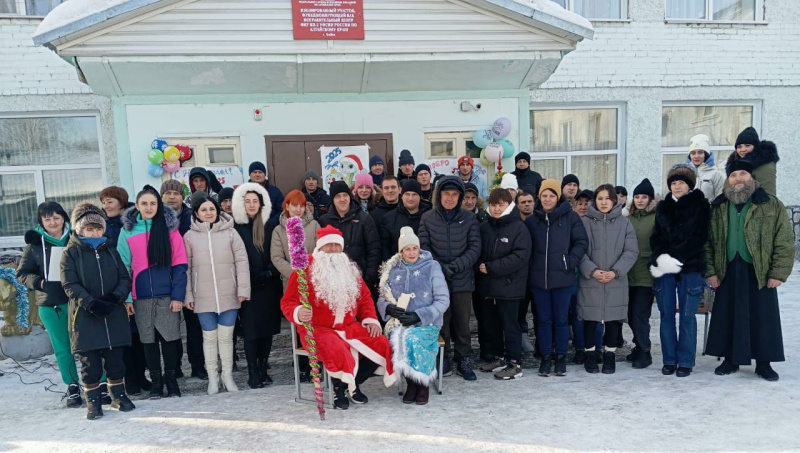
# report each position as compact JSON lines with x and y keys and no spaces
{"x":226,"y":356}
{"x":210,"y":354}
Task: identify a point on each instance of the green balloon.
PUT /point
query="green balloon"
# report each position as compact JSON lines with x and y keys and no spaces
{"x":155,"y":156}
{"x":508,"y":148}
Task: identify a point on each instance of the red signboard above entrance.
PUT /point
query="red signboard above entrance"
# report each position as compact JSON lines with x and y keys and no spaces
{"x":328,"y":19}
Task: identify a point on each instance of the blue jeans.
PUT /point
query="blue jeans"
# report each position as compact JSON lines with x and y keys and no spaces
{"x":552,"y":310}
{"x":578,"y":339}
{"x":209,"y":321}
{"x":679,"y":348}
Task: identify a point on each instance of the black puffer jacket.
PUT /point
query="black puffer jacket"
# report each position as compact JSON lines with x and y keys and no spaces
{"x":456,"y":242}
{"x":681,"y":230}
{"x":559,"y":244}
{"x":262,"y":271}
{"x":89,"y":274}
{"x":528,"y":180}
{"x":361,"y":239}
{"x":320,"y":199}
{"x":381,"y":210}
{"x":506,"y":251}
{"x":389,"y":229}
{"x":31,"y":271}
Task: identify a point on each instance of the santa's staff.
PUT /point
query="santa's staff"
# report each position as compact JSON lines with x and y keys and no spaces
{"x":297,"y":251}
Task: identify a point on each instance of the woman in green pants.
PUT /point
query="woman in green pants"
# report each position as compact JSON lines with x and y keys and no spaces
{"x":39,"y":271}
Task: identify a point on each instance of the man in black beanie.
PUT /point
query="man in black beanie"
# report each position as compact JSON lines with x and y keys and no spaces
{"x":408,"y":213}
{"x":570,"y":186}
{"x":528,"y":180}
{"x":258,"y":174}
{"x":406,"y":164}
{"x":224,"y":197}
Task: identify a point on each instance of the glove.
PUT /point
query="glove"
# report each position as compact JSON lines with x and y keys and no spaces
{"x":101,"y":308}
{"x":110,"y":298}
{"x":668,"y":264}
{"x":449,"y":270}
{"x":394,"y":311}
{"x":408,"y":318}
{"x":655,"y":271}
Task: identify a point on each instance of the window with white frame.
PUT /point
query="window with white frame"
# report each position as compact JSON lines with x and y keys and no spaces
{"x":53,"y":157}
{"x":721,"y":122}
{"x":28,"y":7}
{"x":719,"y":10}
{"x":452,"y":145}
{"x":585,"y":141}
{"x":209,"y":152}
{"x":597,"y":9}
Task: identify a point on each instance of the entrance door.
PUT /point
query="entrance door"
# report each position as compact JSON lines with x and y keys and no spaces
{"x":290,"y":156}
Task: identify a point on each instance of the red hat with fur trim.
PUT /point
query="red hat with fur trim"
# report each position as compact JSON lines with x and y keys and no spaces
{"x":328,"y":235}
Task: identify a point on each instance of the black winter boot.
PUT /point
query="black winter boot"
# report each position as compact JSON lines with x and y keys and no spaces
{"x":561,"y":365}
{"x":119,"y":400}
{"x":157,"y":388}
{"x":580,"y":357}
{"x":357,"y":397}
{"x":765,"y":371}
{"x":726,"y":368}
{"x":171,"y":381}
{"x":254,"y":379}
{"x":263,"y":366}
{"x":545,"y":367}
{"x":411,"y":392}
{"x":591,"y":362}
{"x":643,"y":360}
{"x":340,"y":400}
{"x":633,"y":355}
{"x":104,"y":396}
{"x":74,"y":395}
{"x":94,"y":405}
{"x":609,"y":362}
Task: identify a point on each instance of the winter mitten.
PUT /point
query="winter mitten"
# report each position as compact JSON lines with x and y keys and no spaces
{"x":655,"y":271}
{"x":408,"y":318}
{"x":101,"y":308}
{"x":668,"y":264}
{"x":394,"y":311}
{"x":448,"y":270}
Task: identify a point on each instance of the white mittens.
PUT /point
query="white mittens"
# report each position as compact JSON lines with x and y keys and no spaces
{"x":665,"y":264}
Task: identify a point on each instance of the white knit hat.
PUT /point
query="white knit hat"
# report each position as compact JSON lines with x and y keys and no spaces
{"x":407,"y":237}
{"x":509,"y":181}
{"x":700,"y":141}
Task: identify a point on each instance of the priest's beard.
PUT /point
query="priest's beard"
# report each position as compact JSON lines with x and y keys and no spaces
{"x":741,"y":195}
{"x":337,"y":281}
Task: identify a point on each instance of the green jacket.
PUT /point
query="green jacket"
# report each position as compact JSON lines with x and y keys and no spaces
{"x":643,"y":221}
{"x":767,"y":177}
{"x":769,"y":236}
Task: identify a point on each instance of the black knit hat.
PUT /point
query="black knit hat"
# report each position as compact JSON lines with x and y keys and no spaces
{"x":621,"y":190}
{"x":682,"y":172}
{"x":411,"y":185}
{"x":585,"y":193}
{"x":522,"y":156}
{"x":569,"y":179}
{"x":225,"y":194}
{"x":422,"y":167}
{"x":469,"y":187}
{"x":749,"y":136}
{"x":338,"y":187}
{"x":645,"y":188}
{"x":739,"y":164}
{"x":405,"y":157}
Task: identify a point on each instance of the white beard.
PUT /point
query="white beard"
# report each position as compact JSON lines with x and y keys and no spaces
{"x":337,"y":281}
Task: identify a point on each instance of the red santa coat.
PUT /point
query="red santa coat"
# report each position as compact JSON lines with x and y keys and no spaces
{"x":340,"y":345}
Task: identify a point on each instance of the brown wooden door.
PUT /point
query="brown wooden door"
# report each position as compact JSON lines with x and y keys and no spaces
{"x":289,"y":156}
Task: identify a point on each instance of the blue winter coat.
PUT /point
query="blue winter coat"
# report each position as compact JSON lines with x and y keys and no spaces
{"x":425,"y":281}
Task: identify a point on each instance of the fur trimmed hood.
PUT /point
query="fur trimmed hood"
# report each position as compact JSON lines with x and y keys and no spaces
{"x":763,"y":153}
{"x":237,"y":202}
{"x":131,"y":217}
{"x":651,"y":208}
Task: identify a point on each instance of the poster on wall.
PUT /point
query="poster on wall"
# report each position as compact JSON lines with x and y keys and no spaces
{"x":328,"y":19}
{"x":343,"y":163}
{"x":227,"y":176}
{"x":449,"y":166}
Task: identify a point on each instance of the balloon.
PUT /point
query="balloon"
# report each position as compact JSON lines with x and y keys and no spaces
{"x":501,"y":128}
{"x":483,"y":159}
{"x":155,"y":156}
{"x":172,"y":167}
{"x":186,"y":152}
{"x":172,"y":154}
{"x":508,"y":148}
{"x":482,"y":138}
{"x":494,"y":152}
{"x":159,"y":144}
{"x":155,"y":170}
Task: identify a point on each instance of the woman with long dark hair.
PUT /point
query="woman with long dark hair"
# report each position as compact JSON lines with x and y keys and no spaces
{"x":153,"y":251}
{"x":261,"y":314}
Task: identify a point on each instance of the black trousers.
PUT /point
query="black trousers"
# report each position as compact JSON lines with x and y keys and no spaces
{"x":153,"y":352}
{"x":366,"y":369}
{"x":456,"y":326}
{"x":258,"y":349}
{"x":479,"y":307}
{"x":135,"y":362}
{"x":95,"y":361}
{"x":640,"y":306}
{"x":505,"y":334}
{"x":194,"y":341}
{"x":612,"y":336}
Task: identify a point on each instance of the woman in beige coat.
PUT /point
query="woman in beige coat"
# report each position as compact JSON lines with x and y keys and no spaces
{"x":218,"y":282}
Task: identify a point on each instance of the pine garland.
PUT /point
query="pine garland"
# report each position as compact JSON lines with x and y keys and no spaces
{"x":10,"y":275}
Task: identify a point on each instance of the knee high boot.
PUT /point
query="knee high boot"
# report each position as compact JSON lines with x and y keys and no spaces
{"x":226,"y":357}
{"x":210,"y":354}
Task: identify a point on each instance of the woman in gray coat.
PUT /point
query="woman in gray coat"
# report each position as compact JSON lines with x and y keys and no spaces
{"x":603,"y":283}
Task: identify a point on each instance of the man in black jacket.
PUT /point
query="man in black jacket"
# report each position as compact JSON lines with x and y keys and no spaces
{"x":390,"y":188}
{"x":453,"y":236}
{"x":527,"y":179}
{"x":315,"y":194}
{"x":408,"y":213}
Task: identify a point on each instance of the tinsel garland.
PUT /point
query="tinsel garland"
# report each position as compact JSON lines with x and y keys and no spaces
{"x":10,"y":275}
{"x":299,"y":259}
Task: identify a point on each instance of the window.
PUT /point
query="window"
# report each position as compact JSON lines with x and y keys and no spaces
{"x":719,"y":10}
{"x":582,"y":141}
{"x":721,"y":122}
{"x":46,"y":158}
{"x":28,"y":7}
{"x":443,"y":145}
{"x":597,"y":9}
{"x":211,"y":151}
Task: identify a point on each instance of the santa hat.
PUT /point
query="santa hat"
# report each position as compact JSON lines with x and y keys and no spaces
{"x":356,"y":160}
{"x":328,"y":235}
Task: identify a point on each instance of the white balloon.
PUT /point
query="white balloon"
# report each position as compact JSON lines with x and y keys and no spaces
{"x":494,"y":152}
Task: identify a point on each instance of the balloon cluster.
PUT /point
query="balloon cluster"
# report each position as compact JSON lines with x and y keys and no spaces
{"x":164,"y":157}
{"x":493,"y":143}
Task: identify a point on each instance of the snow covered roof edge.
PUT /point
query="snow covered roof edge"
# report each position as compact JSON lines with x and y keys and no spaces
{"x":550,"y":13}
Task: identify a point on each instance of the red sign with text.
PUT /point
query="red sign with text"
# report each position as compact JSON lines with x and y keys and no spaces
{"x":328,"y":19}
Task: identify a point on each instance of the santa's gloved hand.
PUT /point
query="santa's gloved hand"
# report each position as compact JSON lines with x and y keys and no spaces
{"x":394,"y":311}
{"x":408,"y":318}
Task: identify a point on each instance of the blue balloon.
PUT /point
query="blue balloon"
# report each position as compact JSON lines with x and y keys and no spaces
{"x":159,"y":144}
{"x":483,"y":138}
{"x":508,"y":148}
{"x":155,"y":170}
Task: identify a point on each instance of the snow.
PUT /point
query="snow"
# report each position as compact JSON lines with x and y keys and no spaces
{"x":552,"y":8}
{"x":632,"y":410}
{"x":73,"y":11}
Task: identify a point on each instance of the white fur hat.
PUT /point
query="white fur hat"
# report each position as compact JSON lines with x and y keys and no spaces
{"x":509,"y":181}
{"x":700,"y":141}
{"x":407,"y":237}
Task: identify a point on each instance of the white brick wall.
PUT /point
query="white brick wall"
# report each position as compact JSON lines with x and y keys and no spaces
{"x":27,"y":69}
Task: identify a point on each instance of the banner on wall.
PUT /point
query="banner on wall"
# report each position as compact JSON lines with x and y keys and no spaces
{"x":328,"y":19}
{"x":232,"y":176}
{"x":343,"y":163}
{"x":449,"y":166}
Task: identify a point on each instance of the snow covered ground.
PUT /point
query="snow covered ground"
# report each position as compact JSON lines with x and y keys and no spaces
{"x":632,"y":410}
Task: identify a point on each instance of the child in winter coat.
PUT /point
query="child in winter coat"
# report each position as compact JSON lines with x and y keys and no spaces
{"x":413,"y":277}
{"x":218,"y":281}
{"x":97,"y":284}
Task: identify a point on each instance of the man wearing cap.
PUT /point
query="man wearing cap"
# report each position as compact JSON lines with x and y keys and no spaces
{"x":408,"y":214}
{"x":258,"y":174}
{"x":452,"y":235}
{"x":423,"y":177}
{"x":749,"y":254}
{"x":172,"y":192}
{"x":390,"y":199}
{"x":346,"y":328}
{"x":377,"y":169}
{"x":315,"y":194}
{"x":570,"y":186}
{"x":527,"y":179}
{"x":406,"y":166}
{"x":466,"y":165}
{"x":709,"y":179}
